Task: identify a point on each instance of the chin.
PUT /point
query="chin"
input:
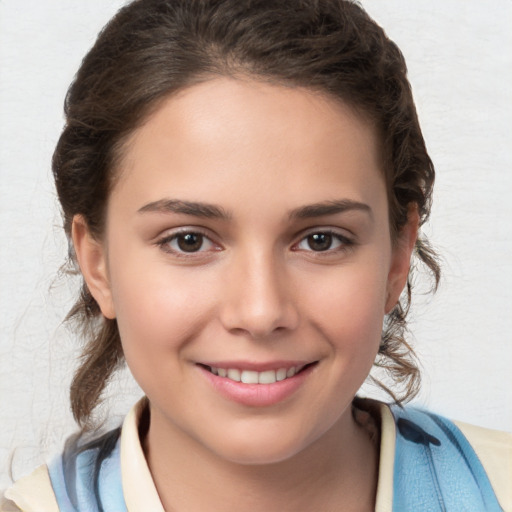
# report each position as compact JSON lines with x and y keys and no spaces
{"x":257,"y":455}
{"x":260,"y":449}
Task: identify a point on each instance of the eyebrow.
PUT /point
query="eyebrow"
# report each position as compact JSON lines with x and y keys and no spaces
{"x":329,"y":208}
{"x":211,"y":211}
{"x":205,"y":210}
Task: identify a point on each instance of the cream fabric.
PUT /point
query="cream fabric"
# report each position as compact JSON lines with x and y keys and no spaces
{"x":32,"y":493}
{"x":138,"y":486}
{"x":384,"y":498}
{"x":494,"y":449}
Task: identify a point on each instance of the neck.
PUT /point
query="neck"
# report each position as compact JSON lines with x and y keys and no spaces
{"x":338,"y":471}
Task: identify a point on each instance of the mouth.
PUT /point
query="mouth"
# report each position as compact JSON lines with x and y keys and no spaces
{"x":257,"y":384}
{"x":270,"y":376}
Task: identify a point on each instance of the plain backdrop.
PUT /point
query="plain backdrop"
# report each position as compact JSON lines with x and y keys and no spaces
{"x":459,"y":55}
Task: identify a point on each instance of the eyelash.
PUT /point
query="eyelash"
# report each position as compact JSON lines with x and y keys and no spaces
{"x":344,"y":243}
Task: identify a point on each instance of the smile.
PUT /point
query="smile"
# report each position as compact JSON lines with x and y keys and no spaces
{"x":257,"y":385}
{"x":255,"y":377}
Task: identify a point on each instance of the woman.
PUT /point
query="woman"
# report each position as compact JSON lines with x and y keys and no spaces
{"x":243,"y":184}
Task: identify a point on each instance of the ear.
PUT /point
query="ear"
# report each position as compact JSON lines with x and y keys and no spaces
{"x":92,"y":260}
{"x":401,"y":257}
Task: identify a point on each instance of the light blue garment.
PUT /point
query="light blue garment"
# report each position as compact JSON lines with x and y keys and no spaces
{"x":436,"y":470}
{"x":88,"y":478}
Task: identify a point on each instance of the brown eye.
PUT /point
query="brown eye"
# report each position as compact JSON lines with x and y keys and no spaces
{"x":324,"y":241}
{"x":190,"y":242}
{"x":187,"y":243}
{"x":319,"y":241}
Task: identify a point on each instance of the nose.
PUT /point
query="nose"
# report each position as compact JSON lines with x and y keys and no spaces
{"x":259,"y":298}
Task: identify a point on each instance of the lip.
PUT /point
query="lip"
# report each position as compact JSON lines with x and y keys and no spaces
{"x":256,"y":367}
{"x":257,"y":395}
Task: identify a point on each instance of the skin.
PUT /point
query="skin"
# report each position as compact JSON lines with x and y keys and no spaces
{"x":257,"y":290}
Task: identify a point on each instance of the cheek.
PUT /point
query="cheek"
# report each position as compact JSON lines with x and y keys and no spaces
{"x":158,"y":308}
{"x":349,"y":309}
{"x":157,"y":318}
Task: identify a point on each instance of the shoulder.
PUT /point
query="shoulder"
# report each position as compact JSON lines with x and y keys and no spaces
{"x":84,"y":475}
{"x":32,"y":493}
{"x":494,"y":449}
{"x":459,"y":459}
{"x":89,"y":473}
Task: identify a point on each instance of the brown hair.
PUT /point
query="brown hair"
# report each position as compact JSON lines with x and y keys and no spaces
{"x":153,"y":48}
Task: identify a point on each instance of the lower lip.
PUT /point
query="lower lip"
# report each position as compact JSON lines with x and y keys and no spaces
{"x":257,"y":395}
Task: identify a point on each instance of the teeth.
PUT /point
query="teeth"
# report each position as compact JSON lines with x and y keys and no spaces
{"x":281,"y":374}
{"x":249,"y":377}
{"x":268,"y":377}
{"x":252,"y":377}
{"x":234,"y":375}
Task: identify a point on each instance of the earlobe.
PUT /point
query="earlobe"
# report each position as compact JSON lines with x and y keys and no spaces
{"x":92,"y":260}
{"x":401,"y":258}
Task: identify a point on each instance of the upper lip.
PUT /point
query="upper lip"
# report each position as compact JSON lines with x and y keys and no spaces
{"x":254,"y":366}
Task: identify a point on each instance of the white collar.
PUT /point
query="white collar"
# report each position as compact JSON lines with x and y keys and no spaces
{"x":140,"y":492}
{"x":138,"y":487}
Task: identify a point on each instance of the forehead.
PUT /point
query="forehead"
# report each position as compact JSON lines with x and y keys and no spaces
{"x":251,"y":139}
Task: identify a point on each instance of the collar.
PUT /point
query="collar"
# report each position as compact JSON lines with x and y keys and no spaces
{"x":140,"y":492}
{"x":138,"y":487}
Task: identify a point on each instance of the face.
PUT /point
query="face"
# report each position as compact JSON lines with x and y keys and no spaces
{"x":247,"y":259}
